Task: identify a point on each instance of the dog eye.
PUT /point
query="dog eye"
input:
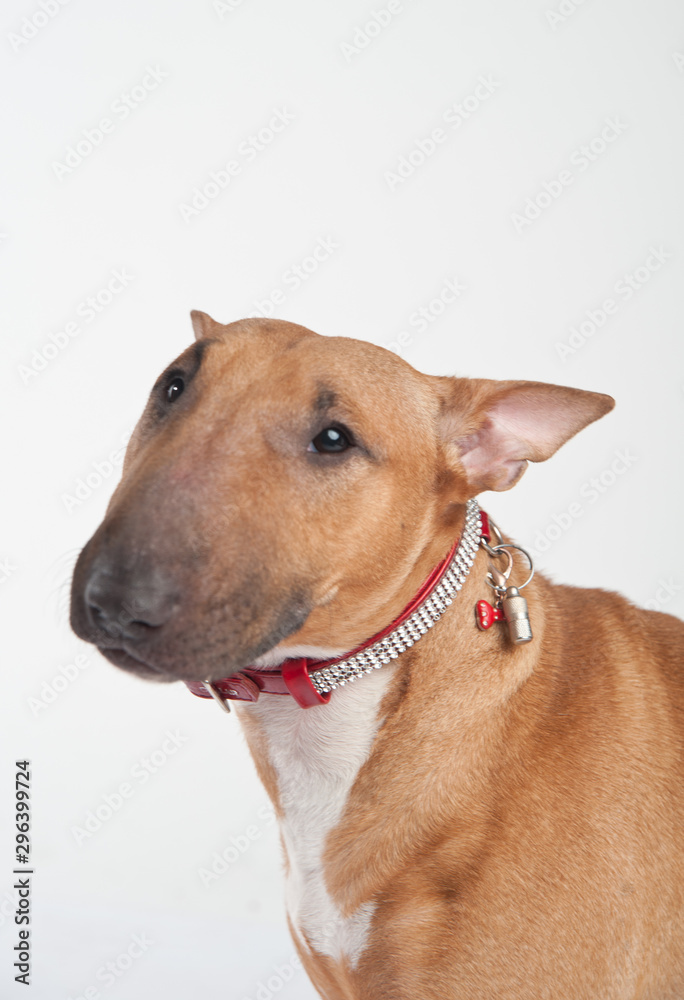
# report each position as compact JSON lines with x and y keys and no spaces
{"x":332,"y":439}
{"x":174,"y":389}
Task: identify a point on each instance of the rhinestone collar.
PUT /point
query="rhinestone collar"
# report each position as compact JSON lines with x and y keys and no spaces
{"x":311,"y":682}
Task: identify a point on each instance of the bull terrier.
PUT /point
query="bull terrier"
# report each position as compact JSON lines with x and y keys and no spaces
{"x":465,"y":813}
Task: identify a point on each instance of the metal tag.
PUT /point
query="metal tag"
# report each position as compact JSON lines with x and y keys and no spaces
{"x":514,"y":608}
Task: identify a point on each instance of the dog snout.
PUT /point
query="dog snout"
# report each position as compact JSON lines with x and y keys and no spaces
{"x":128,"y":605}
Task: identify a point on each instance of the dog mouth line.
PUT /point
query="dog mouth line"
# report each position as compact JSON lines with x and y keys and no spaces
{"x":133,"y":662}
{"x":200,"y":649}
{"x":122,"y":658}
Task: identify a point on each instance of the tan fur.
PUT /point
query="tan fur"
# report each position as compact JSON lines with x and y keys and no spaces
{"x":521,"y":815}
{"x":519,"y":821}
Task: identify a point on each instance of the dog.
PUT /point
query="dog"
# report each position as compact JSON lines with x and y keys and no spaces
{"x":464,"y":813}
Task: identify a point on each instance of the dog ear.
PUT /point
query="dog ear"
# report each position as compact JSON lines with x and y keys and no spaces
{"x":202,"y":324}
{"x":493,"y":429}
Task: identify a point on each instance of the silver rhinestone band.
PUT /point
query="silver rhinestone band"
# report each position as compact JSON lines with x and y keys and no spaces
{"x":422,"y":619}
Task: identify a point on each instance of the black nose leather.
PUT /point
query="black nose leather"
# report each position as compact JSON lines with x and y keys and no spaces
{"x":128,"y":605}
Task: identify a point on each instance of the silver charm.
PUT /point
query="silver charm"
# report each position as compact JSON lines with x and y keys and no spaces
{"x":514,"y":607}
{"x":510,"y":606}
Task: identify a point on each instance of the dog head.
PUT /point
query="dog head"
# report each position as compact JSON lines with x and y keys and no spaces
{"x":284,"y":486}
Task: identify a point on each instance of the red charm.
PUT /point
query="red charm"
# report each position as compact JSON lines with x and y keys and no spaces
{"x":486,"y":615}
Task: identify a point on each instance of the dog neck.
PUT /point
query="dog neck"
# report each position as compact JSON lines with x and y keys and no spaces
{"x":309,"y":761}
{"x":341,"y":774}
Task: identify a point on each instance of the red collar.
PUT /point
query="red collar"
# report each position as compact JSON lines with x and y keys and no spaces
{"x":293,"y":677}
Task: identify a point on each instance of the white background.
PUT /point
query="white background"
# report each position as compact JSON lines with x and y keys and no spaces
{"x":357,"y":109}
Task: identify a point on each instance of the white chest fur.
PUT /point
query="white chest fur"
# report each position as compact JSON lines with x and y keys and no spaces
{"x":317,"y":754}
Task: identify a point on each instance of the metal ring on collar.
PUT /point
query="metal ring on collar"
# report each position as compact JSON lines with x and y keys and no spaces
{"x":496,"y":580}
{"x":494,"y":528}
{"x":508,"y":545}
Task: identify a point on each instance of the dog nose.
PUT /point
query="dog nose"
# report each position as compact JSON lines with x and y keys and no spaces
{"x":128,"y":606}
